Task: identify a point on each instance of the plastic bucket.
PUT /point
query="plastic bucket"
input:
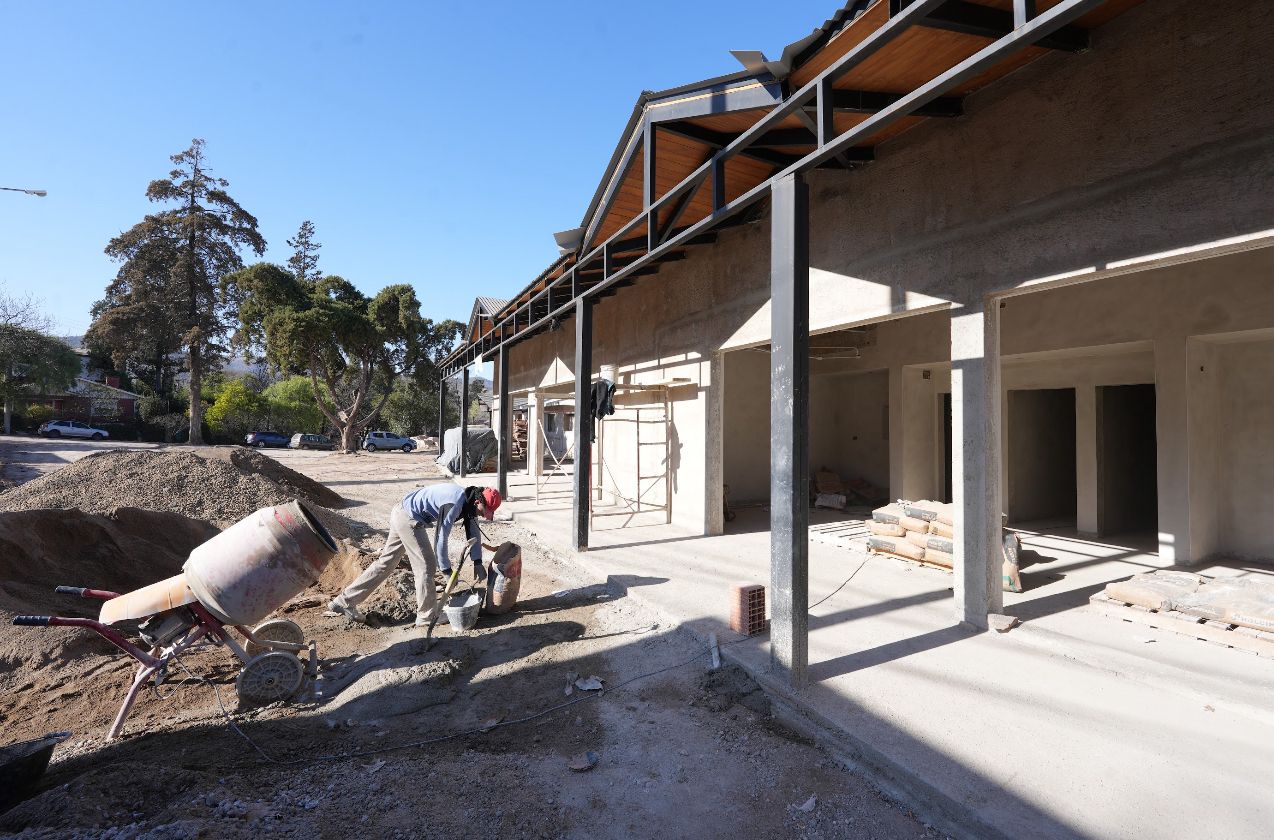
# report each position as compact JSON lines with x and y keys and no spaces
{"x":462,"y":610}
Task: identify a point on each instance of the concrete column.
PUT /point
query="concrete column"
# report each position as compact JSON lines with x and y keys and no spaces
{"x":1208,"y":427}
{"x":442,"y":410}
{"x":897,"y":433}
{"x":1173,"y":434}
{"x":1087,"y":437}
{"x":976,"y":455}
{"x":534,"y":440}
{"x":789,"y":429}
{"x":714,"y":447}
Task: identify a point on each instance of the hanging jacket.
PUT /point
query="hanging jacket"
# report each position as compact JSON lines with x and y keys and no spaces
{"x":601,"y":404}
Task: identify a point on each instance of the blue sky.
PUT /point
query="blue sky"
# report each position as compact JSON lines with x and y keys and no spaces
{"x":435,"y":144}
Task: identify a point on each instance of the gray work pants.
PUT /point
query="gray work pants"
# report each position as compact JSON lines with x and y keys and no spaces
{"x":406,"y":534}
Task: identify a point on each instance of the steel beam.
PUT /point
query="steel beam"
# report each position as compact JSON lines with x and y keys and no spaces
{"x":789,"y":428}
{"x":985,"y":22}
{"x":583,"y":495}
{"x":464,"y":422}
{"x":906,"y":13}
{"x":504,"y":435}
{"x":442,"y":409}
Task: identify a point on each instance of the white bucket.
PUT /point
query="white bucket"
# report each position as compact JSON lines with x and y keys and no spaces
{"x":610,"y":372}
{"x":260,"y":563}
{"x":462,"y":610}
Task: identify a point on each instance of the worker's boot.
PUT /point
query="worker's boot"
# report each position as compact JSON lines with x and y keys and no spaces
{"x":336,"y":607}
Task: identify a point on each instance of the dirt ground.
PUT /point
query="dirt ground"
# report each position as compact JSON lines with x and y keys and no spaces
{"x":684,"y":752}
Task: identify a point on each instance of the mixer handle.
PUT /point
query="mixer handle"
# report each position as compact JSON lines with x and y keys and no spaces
{"x":85,"y":592}
{"x":32,"y":620}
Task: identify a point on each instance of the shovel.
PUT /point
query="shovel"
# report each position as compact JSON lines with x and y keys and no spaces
{"x":446,"y":594}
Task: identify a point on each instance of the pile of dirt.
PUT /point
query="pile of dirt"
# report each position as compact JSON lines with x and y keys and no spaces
{"x":252,"y":461}
{"x":43,"y":549}
{"x":222,"y":487}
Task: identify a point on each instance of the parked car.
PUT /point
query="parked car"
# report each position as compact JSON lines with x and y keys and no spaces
{"x":71,"y":428}
{"x":308,"y":441}
{"x":387,"y":440}
{"x":263,"y":439}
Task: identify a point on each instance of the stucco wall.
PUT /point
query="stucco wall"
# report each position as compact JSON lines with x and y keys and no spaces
{"x":1159,"y":137}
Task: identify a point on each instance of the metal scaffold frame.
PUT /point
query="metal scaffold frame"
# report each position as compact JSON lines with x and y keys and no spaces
{"x":636,"y":504}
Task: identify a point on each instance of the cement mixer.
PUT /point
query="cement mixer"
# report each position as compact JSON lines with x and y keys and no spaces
{"x":233,"y":580}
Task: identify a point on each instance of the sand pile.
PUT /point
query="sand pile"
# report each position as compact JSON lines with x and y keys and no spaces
{"x":221,"y":488}
{"x":42,"y":549}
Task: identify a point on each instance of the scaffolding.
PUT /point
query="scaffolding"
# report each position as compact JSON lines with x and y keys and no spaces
{"x":558,"y":468}
{"x":652,"y":444}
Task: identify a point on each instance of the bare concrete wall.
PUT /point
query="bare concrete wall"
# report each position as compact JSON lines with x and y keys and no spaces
{"x":746,"y":447}
{"x":1161,"y":136}
{"x":1040,"y":454}
{"x":849,"y":431}
{"x":1246,"y":449}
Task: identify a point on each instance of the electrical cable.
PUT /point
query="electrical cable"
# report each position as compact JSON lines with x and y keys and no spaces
{"x":478,"y":730}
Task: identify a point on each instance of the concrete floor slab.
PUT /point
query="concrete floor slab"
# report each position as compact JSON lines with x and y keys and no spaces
{"x":1072,"y":725}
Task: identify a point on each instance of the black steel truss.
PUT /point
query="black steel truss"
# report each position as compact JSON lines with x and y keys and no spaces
{"x":551,"y":305}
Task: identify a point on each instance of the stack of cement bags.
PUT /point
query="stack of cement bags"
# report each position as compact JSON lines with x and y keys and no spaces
{"x":1243,"y":601}
{"x":921,"y":531}
{"x":924,"y":531}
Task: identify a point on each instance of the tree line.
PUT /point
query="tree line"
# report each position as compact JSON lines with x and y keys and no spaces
{"x":331,"y":358}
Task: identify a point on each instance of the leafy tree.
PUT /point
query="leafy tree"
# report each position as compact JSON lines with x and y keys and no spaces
{"x":173,"y":262}
{"x":236,"y":411}
{"x":352,"y":346}
{"x":136,"y":328}
{"x":304,"y":259}
{"x":291,"y":406}
{"x":32,"y":363}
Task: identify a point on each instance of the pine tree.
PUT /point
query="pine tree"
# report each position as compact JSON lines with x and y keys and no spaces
{"x":174,"y":260}
{"x":304,"y":259}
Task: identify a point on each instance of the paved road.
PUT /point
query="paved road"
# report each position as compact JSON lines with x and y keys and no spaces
{"x":23,"y":458}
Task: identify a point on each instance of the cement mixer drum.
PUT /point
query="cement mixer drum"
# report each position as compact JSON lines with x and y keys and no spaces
{"x":260,"y":563}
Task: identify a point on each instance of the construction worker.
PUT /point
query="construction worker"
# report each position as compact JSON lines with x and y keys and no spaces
{"x":419,"y":526}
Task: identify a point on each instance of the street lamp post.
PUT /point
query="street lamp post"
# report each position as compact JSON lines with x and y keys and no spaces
{"x":40,"y":193}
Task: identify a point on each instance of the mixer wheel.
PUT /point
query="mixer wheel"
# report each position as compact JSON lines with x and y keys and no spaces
{"x":270,"y":677}
{"x":275,"y":630}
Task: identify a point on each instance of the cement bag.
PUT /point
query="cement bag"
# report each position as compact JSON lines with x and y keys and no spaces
{"x":943,"y":544}
{"x":1012,"y":548}
{"x":834,"y":501}
{"x":886,"y":529}
{"x":917,"y":538}
{"x":1243,"y":601}
{"x":1154,"y":590}
{"x":942,"y":529}
{"x":940,"y":558}
{"x":889,"y":514}
{"x":913,"y":524}
{"x":504,"y":579}
{"x":896,"y":546}
{"x":930,"y":511}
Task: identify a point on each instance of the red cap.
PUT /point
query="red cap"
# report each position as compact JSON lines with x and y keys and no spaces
{"x":491,"y":498}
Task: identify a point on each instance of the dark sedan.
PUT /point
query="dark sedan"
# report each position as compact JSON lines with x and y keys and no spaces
{"x":263,"y":439}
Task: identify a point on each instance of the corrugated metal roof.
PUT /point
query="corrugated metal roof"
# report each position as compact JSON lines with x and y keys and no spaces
{"x":491,"y":305}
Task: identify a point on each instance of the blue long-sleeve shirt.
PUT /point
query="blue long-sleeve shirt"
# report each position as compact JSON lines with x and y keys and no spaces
{"x":441,"y":505}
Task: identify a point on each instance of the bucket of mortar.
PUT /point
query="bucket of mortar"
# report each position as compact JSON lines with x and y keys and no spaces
{"x":462,"y":610}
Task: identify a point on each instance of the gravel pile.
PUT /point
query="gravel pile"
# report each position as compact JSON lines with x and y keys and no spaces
{"x":220,"y":488}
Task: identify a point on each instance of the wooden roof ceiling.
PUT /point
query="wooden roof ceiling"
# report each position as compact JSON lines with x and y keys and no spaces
{"x":693,"y":122}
